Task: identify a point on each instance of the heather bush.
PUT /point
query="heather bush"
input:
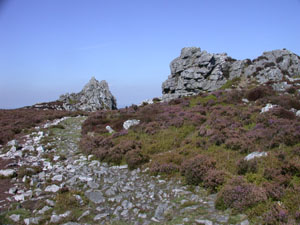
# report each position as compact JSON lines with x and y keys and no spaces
{"x":196,"y":168}
{"x":276,"y":215}
{"x":115,"y":153}
{"x":291,"y":167}
{"x":296,"y":151}
{"x":291,"y":90}
{"x":283,"y":113}
{"x":271,"y":173}
{"x":286,"y":101}
{"x":214,"y":179}
{"x":274,"y":190}
{"x":135,"y":158}
{"x":240,"y":195}
{"x":88,"y":144}
{"x":233,"y":97}
{"x":258,"y":92}
{"x":217,"y":139}
{"x":236,"y":143}
{"x":166,"y":168}
{"x":247,"y":166}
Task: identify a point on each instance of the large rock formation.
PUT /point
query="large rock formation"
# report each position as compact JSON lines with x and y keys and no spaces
{"x":195,"y":71}
{"x":94,"y":96}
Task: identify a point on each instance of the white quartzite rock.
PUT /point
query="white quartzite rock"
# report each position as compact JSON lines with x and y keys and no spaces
{"x":7,"y":173}
{"x":255,"y":155}
{"x":109,"y":129}
{"x":32,"y":220}
{"x":19,"y":198}
{"x":15,"y":218}
{"x":267,"y":108}
{"x":58,"y":177}
{"x":129,"y":123}
{"x":204,"y":222}
{"x":52,"y":188}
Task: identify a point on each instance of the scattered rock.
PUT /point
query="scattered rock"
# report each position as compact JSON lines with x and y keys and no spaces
{"x":159,"y":212}
{"x":32,"y":220}
{"x":255,"y":155}
{"x":100,"y":216}
{"x":129,"y":123}
{"x":86,"y":213}
{"x":19,"y":198}
{"x":52,"y":188}
{"x":58,"y":177}
{"x":109,"y":129}
{"x":50,"y":202}
{"x":245,"y":222}
{"x":15,"y":218}
{"x":95,"y":196}
{"x":267,"y":108}
{"x":204,"y":222}
{"x":13,"y":190}
{"x":44,"y":209}
{"x":57,"y":218}
{"x":7,"y":173}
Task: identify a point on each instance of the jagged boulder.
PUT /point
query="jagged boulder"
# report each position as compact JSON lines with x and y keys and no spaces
{"x":195,"y":71}
{"x":94,"y":96}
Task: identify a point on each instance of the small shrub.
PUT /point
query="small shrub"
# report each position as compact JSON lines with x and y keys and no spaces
{"x":167,"y":168}
{"x":244,"y":166}
{"x":296,"y":151}
{"x":285,"y":101}
{"x":291,"y":167}
{"x":274,"y":190}
{"x":195,"y":169}
{"x":237,"y":144}
{"x":240,"y":195}
{"x":291,"y":90}
{"x":258,"y":92}
{"x":283,"y":113}
{"x":135,"y":158}
{"x":271,"y":173}
{"x":276,"y":215}
{"x":214,"y":179}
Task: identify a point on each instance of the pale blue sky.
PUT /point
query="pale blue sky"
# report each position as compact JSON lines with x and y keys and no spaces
{"x":50,"y":47}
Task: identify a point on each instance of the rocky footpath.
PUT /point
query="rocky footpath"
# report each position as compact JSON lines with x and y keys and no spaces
{"x":196,"y":71}
{"x":52,"y":182}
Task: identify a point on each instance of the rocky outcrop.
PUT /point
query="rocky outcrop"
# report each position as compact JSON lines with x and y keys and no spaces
{"x":94,"y":96}
{"x":195,"y":71}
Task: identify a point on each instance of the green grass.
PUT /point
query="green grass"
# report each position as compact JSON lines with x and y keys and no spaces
{"x":202,"y":100}
{"x":230,"y":83}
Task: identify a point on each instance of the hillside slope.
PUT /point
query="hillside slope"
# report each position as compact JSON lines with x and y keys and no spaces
{"x":205,"y":139}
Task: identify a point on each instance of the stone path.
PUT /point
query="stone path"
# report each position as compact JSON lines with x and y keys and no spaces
{"x":56,"y":184}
